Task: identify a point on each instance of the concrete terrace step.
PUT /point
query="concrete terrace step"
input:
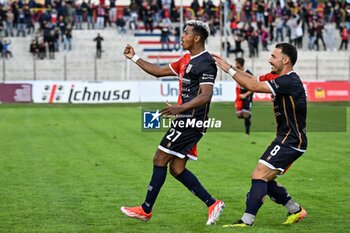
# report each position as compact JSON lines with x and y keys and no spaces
{"x":160,"y":56}
{"x":146,"y":34}
{"x":157,"y":50}
{"x":152,"y":42}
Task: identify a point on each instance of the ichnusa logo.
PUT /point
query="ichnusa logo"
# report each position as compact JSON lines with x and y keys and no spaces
{"x":151,"y":120}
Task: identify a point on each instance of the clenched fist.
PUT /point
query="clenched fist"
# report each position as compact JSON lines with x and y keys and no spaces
{"x":129,"y":51}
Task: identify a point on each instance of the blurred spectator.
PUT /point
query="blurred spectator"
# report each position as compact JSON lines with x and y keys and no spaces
{"x":9,"y":19}
{"x":260,"y":11}
{"x":253,"y":43}
{"x":344,"y":38}
{"x":68,"y":38}
{"x":100,"y":17}
{"x":1,"y":29}
{"x":42,"y":49}
{"x":62,"y":27}
{"x":51,"y":48}
{"x":338,"y":14}
{"x":98,"y":40}
{"x":148,"y":19}
{"x":78,"y":16}
{"x":126,"y":15}
{"x":155,"y":12}
{"x":319,"y":35}
{"x":1,"y":48}
{"x":279,"y":29}
{"x":177,"y":39}
{"x":238,"y":8}
{"x":164,"y":37}
{"x":264,"y":36}
{"x":71,"y":13}
{"x":299,"y":34}
{"x":247,"y":8}
{"x":56,"y":38}
{"x":238,"y":37}
{"x":107,"y":21}
{"x":89,"y":9}
{"x":54,"y":16}
{"x":292,"y":25}
{"x":120,"y":23}
{"x":21,"y":23}
{"x":329,"y":35}
{"x":133,"y":15}
{"x":228,"y":48}
{"x":112,"y":11}
{"x":312,"y":36}
{"x":34,"y":47}
{"x":6,"y":52}
{"x":195,"y":7}
{"x":347,"y":17}
{"x":29,"y":20}
{"x":166,"y":16}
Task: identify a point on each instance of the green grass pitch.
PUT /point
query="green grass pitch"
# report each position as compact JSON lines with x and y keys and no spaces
{"x":69,"y":168}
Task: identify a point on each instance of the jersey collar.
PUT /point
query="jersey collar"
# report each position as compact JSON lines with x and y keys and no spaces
{"x":192,"y":57}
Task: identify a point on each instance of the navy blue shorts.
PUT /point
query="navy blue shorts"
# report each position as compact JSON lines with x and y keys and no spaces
{"x":181,"y":142}
{"x":247,"y":105}
{"x":279,"y":156}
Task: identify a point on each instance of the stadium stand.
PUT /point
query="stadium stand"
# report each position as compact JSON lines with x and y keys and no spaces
{"x":80,"y":63}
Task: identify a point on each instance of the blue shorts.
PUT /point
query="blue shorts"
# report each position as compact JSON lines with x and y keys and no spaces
{"x":279,"y":156}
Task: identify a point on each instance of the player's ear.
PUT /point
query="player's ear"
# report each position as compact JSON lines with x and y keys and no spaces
{"x":197,"y":38}
{"x":286,"y":59}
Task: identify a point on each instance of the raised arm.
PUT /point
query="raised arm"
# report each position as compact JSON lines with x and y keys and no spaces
{"x":150,"y":68}
{"x":243,"y":78}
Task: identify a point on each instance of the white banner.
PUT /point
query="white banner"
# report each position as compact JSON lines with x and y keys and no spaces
{"x":85,"y":92}
{"x":118,"y":91}
{"x":159,"y":91}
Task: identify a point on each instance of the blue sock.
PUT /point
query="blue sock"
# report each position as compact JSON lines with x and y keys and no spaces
{"x":157,"y":181}
{"x":255,"y":196}
{"x":277,"y":193}
{"x":192,"y":183}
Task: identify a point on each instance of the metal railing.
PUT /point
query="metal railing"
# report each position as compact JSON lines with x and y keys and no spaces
{"x":79,"y":67}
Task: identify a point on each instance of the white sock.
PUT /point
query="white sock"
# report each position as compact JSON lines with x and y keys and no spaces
{"x":248,"y":218}
{"x":292,"y":206}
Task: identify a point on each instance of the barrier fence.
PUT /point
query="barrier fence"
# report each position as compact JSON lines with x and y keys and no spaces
{"x":74,"y":67}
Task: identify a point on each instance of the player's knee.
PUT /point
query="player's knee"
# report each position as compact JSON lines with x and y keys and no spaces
{"x":263,"y":175}
{"x":175,"y":171}
{"x":259,"y":174}
{"x":246,"y":115}
{"x":159,"y":159}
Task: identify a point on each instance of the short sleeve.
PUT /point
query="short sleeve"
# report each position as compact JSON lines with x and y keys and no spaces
{"x":175,"y":66}
{"x":267,"y":77}
{"x":208,"y":74}
{"x":281,"y":85}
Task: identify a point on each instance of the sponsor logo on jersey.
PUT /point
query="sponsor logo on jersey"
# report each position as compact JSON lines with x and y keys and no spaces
{"x":189,"y":67}
{"x":208,"y":76}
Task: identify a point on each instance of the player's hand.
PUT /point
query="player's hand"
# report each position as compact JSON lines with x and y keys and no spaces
{"x":171,"y":109}
{"x":129,"y":51}
{"x":221,"y":62}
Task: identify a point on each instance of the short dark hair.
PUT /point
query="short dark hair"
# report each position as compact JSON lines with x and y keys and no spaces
{"x":288,"y":50}
{"x":240,"y":60}
{"x":200,"y":28}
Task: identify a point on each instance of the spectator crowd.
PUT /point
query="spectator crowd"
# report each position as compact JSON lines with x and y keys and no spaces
{"x":258,"y":23}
